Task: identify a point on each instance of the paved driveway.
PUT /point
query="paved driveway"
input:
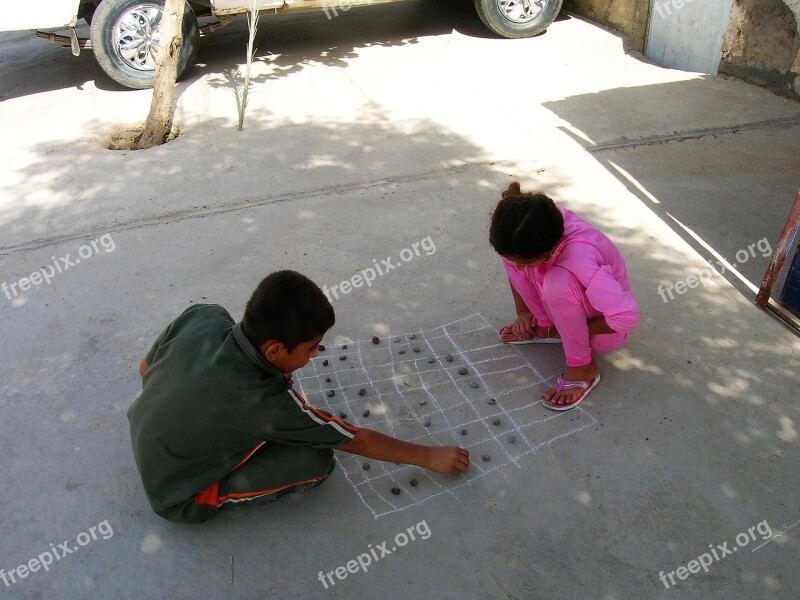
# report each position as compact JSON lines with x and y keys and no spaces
{"x":368,"y":133}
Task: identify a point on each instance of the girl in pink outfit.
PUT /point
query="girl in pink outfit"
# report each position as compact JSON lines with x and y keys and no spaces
{"x":570,"y":286}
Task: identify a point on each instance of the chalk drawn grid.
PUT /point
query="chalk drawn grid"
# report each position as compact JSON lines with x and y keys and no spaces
{"x":405,"y":389}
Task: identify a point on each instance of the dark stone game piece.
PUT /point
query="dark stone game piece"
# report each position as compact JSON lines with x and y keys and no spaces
{"x":327,"y":379}
{"x":342,"y":415}
{"x":491,"y":401}
{"x":397,"y":339}
{"x":331,"y":393}
{"x":366,"y":413}
{"x":321,"y":348}
{"x":473,"y":385}
{"x":376,"y":340}
{"x":496,"y":422}
{"x":427,"y":423}
{"x":325,"y":363}
{"x":462,"y":371}
{"x":486,"y":458}
{"x":365,"y":466}
{"x":343,"y":357}
{"x":362,"y":392}
{"x":401,"y":352}
{"x":463,"y":432}
{"x":396,"y":491}
{"x":413,"y":483}
{"x":431,"y":361}
{"x":511,"y":439}
{"x":412,"y":336}
{"x":415,"y":349}
{"x":344,"y":347}
{"x":423,"y":402}
{"x":449,"y":358}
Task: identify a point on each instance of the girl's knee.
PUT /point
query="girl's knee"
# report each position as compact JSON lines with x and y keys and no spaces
{"x":520,"y":282}
{"x":605,"y":343}
{"x":560,"y":285}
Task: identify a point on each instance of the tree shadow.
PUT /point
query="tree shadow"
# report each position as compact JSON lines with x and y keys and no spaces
{"x":698,"y":405}
{"x":705,"y":178}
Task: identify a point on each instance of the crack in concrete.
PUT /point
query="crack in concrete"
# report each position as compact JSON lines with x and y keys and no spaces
{"x":198,"y":213}
{"x":692,"y":134}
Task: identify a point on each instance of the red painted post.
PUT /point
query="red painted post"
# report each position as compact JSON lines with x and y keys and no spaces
{"x":779,"y":256}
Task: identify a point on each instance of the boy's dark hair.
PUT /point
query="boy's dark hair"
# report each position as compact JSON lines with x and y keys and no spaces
{"x":288,"y":307}
{"x":525,"y":225}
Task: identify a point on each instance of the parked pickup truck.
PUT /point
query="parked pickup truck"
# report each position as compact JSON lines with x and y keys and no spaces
{"x":124,"y":33}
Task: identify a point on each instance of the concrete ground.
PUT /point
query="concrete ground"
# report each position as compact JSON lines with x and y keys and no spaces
{"x":366,"y":133}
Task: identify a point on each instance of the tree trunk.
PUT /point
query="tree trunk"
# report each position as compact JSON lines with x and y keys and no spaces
{"x":162,"y":106}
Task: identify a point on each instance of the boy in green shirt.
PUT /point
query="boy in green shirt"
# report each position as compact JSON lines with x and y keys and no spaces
{"x":218,"y":422}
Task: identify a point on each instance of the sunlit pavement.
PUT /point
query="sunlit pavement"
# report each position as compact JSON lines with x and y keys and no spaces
{"x":364,"y":134}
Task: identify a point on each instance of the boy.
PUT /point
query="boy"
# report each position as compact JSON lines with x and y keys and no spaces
{"x":218,"y":422}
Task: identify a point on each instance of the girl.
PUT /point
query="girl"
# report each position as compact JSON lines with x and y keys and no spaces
{"x":569,"y":284}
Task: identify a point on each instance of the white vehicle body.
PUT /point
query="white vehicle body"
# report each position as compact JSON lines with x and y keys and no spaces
{"x":40,"y":14}
{"x":59,"y":14}
{"x":124,"y":34}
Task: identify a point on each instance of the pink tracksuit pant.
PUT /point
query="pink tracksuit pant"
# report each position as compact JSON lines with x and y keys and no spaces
{"x":585,"y":278}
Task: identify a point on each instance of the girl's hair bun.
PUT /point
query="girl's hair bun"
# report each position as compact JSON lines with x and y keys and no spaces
{"x":512,"y":190}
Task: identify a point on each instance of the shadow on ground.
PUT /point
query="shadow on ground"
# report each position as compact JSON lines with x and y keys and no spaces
{"x":289,"y":42}
{"x":699,"y":182}
{"x":699,"y":428}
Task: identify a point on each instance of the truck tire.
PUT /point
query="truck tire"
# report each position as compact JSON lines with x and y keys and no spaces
{"x":125,"y":40}
{"x":518,"y":18}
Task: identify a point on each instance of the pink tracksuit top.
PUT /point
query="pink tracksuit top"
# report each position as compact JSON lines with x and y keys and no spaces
{"x":592,"y":275}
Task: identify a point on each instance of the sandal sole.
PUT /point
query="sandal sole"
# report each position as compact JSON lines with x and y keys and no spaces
{"x":563,"y":407}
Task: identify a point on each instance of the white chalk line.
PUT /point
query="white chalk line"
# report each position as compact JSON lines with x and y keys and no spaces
{"x":428,"y":390}
{"x":367,"y":481}
{"x":483,"y":471}
{"x":777,"y":535}
{"x":466,"y":400}
{"x":394,"y":379}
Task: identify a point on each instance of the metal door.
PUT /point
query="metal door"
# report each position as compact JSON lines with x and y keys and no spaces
{"x":687,"y":34}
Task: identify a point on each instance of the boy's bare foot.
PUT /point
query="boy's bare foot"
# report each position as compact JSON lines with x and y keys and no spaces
{"x":507,"y":335}
{"x":587,"y":372}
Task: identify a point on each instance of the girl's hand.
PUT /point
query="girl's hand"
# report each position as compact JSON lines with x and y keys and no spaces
{"x":525,"y":326}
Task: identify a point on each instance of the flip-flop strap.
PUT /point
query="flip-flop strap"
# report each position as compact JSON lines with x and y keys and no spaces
{"x":507,"y":329}
{"x":572,"y":385}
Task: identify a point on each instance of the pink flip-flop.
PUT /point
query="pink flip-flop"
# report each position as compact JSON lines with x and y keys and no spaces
{"x":562,"y":385}
{"x":533,"y":340}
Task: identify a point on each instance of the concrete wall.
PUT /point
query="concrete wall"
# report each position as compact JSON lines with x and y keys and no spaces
{"x":762,"y":43}
{"x":629,"y":17}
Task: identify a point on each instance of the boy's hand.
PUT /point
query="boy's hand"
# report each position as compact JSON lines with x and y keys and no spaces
{"x":447,"y":459}
{"x":442,"y":459}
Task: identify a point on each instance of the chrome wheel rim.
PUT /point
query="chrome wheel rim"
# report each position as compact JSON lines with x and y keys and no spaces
{"x":136,"y":36}
{"x":521,"y":11}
